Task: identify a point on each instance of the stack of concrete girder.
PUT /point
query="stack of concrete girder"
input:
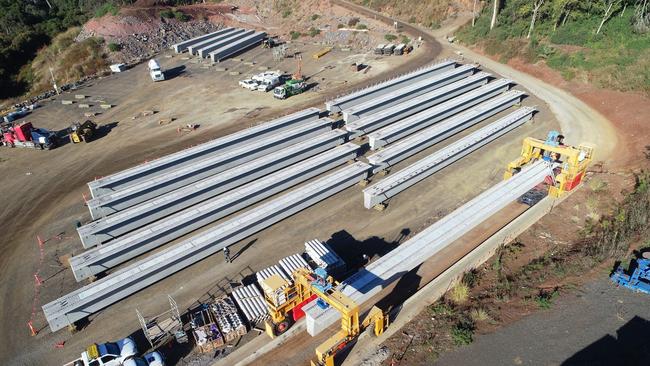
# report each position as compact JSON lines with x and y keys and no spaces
{"x":407,"y":92}
{"x":195,"y":48}
{"x":233,"y":38}
{"x":368,"y":282}
{"x":360,"y":96}
{"x":169,"y":162}
{"x":132,"y":218}
{"x":182,"y":46}
{"x":235,"y":46}
{"x":276,"y":293}
{"x":91,"y":298}
{"x":183,"y":222}
{"x":323,"y":255}
{"x":416,"y":122}
{"x":251,"y":302}
{"x":410,"y":107}
{"x":291,"y":263}
{"x":405,"y":178}
{"x":413,"y":144}
{"x":270,"y":271}
{"x":209,"y":166}
{"x":227,"y":318}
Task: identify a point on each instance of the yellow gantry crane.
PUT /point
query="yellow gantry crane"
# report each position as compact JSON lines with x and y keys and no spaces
{"x":572,"y":161}
{"x":283,"y":297}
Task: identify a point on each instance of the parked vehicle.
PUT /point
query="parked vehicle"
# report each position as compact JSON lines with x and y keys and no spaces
{"x":388,"y":49}
{"x":25,"y":135}
{"x":119,"y":353}
{"x":399,"y":49}
{"x":268,"y":83}
{"x":118,"y":67}
{"x":379,"y":50}
{"x":290,"y":88}
{"x":249,"y":84}
{"x":155,"y":71}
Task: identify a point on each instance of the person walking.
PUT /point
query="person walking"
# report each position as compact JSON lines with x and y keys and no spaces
{"x":226,"y":254}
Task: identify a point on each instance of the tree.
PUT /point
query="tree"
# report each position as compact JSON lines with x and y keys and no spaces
{"x":609,"y":5}
{"x":536,"y":6}
{"x":495,"y":12}
{"x":641,"y":17}
{"x":474,"y":13}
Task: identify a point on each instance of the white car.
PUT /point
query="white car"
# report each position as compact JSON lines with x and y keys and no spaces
{"x":248,"y":84}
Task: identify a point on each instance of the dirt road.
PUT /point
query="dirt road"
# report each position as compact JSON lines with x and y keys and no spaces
{"x":578,"y":121}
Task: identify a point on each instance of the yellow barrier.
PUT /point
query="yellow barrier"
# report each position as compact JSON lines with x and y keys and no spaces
{"x":322,"y":53}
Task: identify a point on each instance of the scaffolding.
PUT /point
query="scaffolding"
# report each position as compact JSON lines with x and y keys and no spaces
{"x":161,"y":328}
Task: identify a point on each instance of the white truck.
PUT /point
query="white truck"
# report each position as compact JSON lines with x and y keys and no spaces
{"x":119,"y":353}
{"x":155,"y":71}
{"x":267,"y":80}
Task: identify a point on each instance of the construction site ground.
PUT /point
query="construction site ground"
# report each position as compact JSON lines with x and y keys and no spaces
{"x":42,"y":194}
{"x":51,"y":185}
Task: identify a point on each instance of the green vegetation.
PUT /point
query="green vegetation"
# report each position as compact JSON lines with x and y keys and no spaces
{"x":362,"y":26}
{"x":114,"y":47}
{"x":460,"y":293}
{"x":314,"y":17}
{"x":545,"y":299}
{"x":295,"y":35}
{"x":313,"y":32}
{"x":579,"y":39}
{"x":463,"y":333}
{"x":340,"y":25}
{"x":68,"y":59}
{"x":167,"y":13}
{"x":175,"y":14}
{"x":108,"y":8}
{"x":27,"y":26}
{"x":405,"y":39}
{"x":390,"y":37}
{"x":353,"y":21}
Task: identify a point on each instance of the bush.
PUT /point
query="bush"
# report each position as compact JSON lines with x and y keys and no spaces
{"x":406,"y":40}
{"x":479,"y":315}
{"x":108,"y":8}
{"x":180,"y":16}
{"x":286,"y":13}
{"x":340,"y":25}
{"x":463,"y":333}
{"x":315,"y":16}
{"x":313,"y":32}
{"x":545,"y":299}
{"x":295,"y":35}
{"x":362,"y":26}
{"x":353,"y":21}
{"x":390,"y":37}
{"x":167,"y":13}
{"x":460,"y":293}
{"x":114,"y":47}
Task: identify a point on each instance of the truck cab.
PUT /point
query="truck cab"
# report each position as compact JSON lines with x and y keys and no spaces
{"x":155,"y":71}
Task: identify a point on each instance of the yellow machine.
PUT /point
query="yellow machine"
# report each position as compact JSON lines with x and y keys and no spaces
{"x":283,"y":297}
{"x":573,"y":161}
{"x":82,"y":131}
